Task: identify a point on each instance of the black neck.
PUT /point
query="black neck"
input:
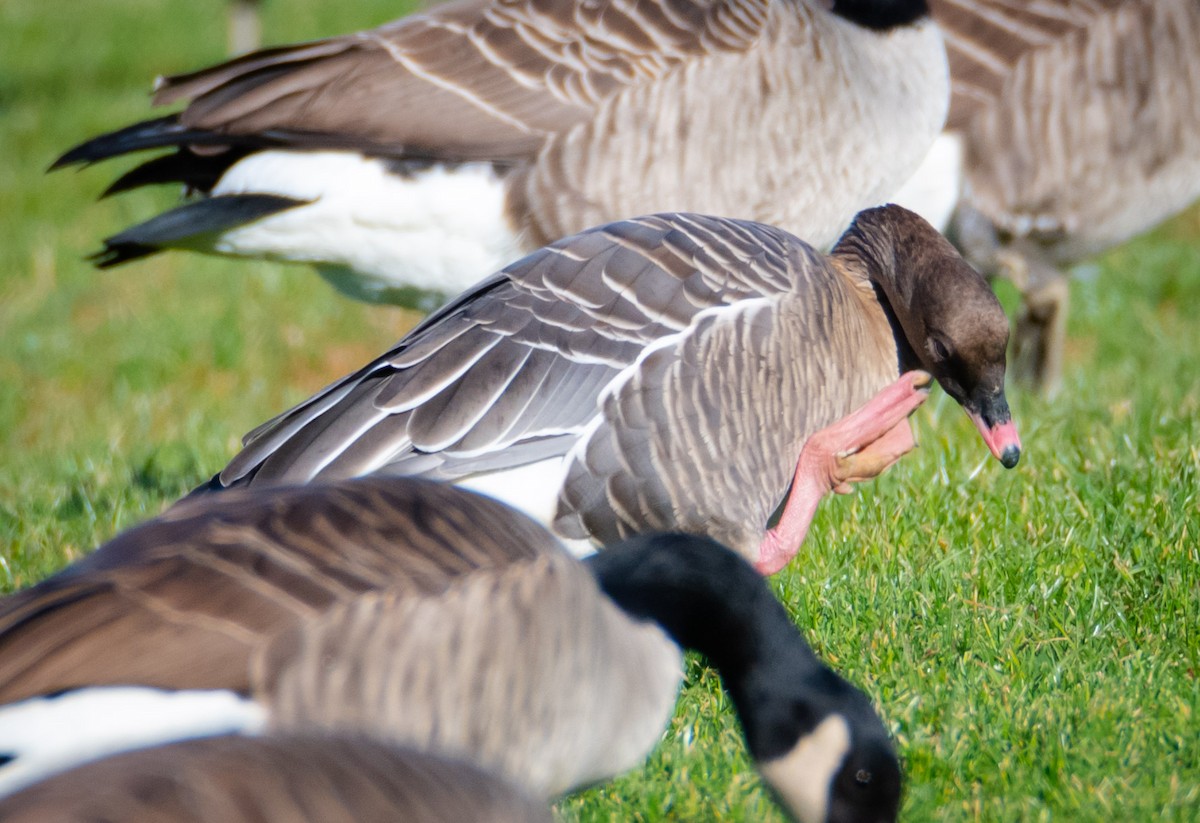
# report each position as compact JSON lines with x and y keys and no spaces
{"x":710,"y":600}
{"x":881,"y":15}
{"x":906,"y":356}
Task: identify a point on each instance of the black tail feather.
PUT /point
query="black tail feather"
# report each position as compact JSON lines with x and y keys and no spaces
{"x":114,"y":254}
{"x":158,"y":133}
{"x":197,"y":172}
{"x":189,"y":222}
{"x":149,"y":134}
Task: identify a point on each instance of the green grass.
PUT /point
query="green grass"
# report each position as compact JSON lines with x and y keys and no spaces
{"x":1031,"y":637}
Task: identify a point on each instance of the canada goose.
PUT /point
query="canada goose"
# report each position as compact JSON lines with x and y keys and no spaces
{"x":1081,"y":123}
{"x":283,"y":779}
{"x":660,"y":373}
{"x":427,"y":616}
{"x":429,"y":152}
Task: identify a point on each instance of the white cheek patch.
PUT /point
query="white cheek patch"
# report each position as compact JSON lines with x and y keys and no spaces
{"x":802,"y":777}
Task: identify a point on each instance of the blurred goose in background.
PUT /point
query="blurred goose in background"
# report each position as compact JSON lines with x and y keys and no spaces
{"x":245,"y":26}
{"x":425,"y":154}
{"x":1081,"y":128}
{"x":284,"y":779}
{"x":428,"y":616}
{"x":663,"y":373}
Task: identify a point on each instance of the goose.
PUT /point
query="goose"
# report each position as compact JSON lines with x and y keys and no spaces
{"x":1080,"y":123}
{"x":663,"y":373}
{"x":426,"y":616}
{"x":280,"y":779}
{"x":411,"y":160}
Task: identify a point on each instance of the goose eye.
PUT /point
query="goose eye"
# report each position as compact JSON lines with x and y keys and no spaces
{"x":862,"y":777}
{"x":938,"y":349}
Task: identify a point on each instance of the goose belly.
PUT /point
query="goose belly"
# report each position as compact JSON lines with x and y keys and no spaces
{"x":934,"y":188}
{"x":373,"y":230}
{"x":45,"y":735}
{"x":532,"y":489}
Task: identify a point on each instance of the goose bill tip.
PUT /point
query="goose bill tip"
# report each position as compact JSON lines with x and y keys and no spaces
{"x":1010,"y":456}
{"x":1001,"y":439}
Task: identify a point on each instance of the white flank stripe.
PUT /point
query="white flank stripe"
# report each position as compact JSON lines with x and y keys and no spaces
{"x":440,"y":229}
{"x":48,"y":735}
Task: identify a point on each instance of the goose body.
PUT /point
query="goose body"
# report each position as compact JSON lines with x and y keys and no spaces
{"x":247,"y":598}
{"x":427,"y":153}
{"x":421,"y":615}
{"x":281,"y":779}
{"x":657,"y":373}
{"x":1081,"y":128}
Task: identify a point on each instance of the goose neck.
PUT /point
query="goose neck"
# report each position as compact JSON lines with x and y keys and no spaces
{"x":869,"y":250}
{"x":709,"y":600}
{"x":881,"y":15}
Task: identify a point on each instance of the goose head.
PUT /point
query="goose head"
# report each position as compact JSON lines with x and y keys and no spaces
{"x":828,"y":763}
{"x":814,"y":737}
{"x":946,"y":318}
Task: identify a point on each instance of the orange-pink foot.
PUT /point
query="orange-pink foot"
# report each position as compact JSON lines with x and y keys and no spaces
{"x":858,"y":447}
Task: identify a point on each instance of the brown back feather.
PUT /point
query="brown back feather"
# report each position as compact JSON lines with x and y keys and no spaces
{"x":428,"y":84}
{"x":185,"y":600}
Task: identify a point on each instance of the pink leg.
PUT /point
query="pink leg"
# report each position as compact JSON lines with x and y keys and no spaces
{"x":858,"y":447}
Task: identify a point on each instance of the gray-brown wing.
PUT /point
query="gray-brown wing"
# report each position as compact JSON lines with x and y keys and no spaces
{"x":465,"y":80}
{"x":527,"y":670}
{"x":284,"y":779}
{"x":511,"y":372}
{"x":184,"y":600}
{"x":703,"y":436}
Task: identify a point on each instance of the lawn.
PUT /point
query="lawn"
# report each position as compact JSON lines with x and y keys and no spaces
{"x":1031,"y":637}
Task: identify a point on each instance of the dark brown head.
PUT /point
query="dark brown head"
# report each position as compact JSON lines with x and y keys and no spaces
{"x":947,"y":319}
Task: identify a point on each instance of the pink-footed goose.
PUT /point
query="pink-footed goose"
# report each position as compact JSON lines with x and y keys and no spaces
{"x":426,"y":616}
{"x":429,"y":152}
{"x":661,"y":373}
{"x":281,"y":779}
{"x":1080,"y":122}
